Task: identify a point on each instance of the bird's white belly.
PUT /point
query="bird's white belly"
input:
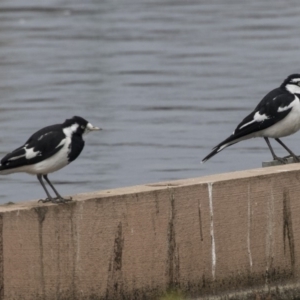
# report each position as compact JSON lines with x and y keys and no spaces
{"x":289,"y":125}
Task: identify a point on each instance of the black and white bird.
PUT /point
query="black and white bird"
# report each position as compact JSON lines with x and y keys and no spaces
{"x":276,"y":115}
{"x":48,"y":150}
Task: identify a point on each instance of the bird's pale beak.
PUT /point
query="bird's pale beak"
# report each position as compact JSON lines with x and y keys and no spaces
{"x":92,"y":128}
{"x":95,"y":128}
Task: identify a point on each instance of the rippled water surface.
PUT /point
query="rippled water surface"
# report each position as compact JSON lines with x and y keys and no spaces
{"x":166,"y":80}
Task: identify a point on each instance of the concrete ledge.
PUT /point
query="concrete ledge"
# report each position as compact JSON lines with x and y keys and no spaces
{"x":207,"y":236}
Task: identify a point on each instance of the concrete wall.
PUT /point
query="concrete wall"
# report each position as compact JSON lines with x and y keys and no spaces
{"x":205,"y":236}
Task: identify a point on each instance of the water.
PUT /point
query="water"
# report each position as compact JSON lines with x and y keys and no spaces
{"x":166,"y":80}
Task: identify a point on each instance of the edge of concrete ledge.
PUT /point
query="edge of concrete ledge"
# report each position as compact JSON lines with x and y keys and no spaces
{"x":11,"y":206}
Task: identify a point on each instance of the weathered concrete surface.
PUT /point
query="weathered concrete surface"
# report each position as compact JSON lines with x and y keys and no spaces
{"x":208,"y":236}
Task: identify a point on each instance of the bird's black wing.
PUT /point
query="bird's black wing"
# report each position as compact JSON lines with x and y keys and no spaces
{"x":274,"y":107}
{"x":40,"y":146}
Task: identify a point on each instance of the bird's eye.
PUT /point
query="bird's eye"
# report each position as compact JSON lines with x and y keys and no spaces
{"x":82,"y":126}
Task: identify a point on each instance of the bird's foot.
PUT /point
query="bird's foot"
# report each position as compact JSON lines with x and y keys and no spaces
{"x":62,"y":200}
{"x":296,"y":158}
{"x":55,"y":200}
{"x":46,"y":200}
{"x":283,"y":160}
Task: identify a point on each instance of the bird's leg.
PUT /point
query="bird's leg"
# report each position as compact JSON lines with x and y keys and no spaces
{"x":51,"y":185}
{"x":296,"y":158}
{"x":49,"y":199}
{"x":275,"y":157}
{"x":58,"y":196}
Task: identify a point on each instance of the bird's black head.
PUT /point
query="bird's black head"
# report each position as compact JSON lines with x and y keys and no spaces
{"x":292,"y":83}
{"x":79,"y":125}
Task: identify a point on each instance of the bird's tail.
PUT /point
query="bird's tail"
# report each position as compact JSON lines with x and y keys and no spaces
{"x":226,"y":143}
{"x":214,"y":151}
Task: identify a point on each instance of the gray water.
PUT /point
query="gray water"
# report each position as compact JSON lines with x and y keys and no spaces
{"x":166,"y":80}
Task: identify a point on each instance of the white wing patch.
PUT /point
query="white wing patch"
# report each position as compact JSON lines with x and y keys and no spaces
{"x":62,"y":142}
{"x":29,"y":153}
{"x":16,"y":157}
{"x":281,"y":109}
{"x":43,"y":135}
{"x":256,"y":118}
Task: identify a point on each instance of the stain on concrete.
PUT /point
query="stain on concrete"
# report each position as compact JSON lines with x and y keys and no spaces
{"x":270,"y":239}
{"x":156,"y":203}
{"x":58,"y":211}
{"x":74,"y":241}
{"x":212,"y":232}
{"x":288,"y":234}
{"x":1,"y":259}
{"x":173,"y":270}
{"x":154,"y":215}
{"x":118,"y":249}
{"x":249,"y":226}
{"x":41,"y":212}
{"x":115,"y":278}
{"x":200,"y":221}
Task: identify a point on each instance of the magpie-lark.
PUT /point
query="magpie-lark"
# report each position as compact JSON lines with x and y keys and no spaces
{"x":48,"y":150}
{"x":276,"y":115}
